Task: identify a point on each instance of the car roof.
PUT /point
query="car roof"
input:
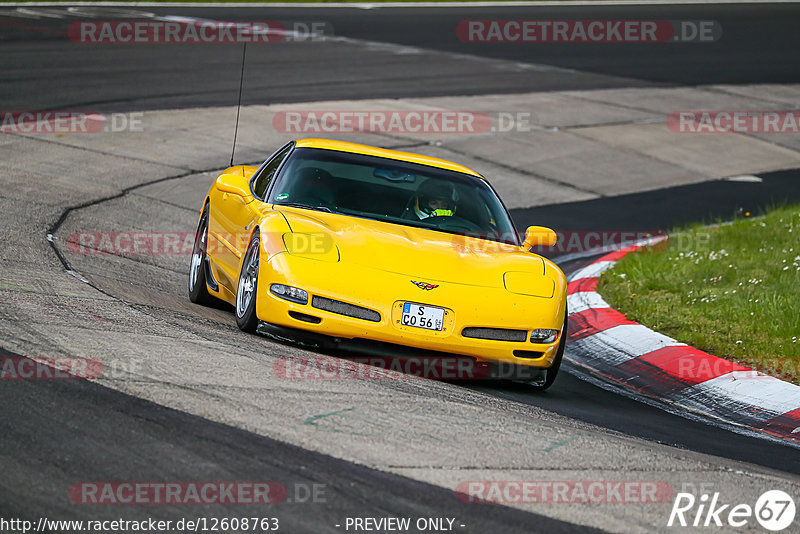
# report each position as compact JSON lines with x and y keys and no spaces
{"x":344,"y":146}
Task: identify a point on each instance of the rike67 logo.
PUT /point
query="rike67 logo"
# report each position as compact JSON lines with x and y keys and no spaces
{"x":774,"y":510}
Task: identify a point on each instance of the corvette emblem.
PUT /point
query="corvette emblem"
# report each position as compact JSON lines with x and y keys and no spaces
{"x":423,"y":285}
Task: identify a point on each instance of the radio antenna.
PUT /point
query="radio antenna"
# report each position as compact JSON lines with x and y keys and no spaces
{"x":239,"y":105}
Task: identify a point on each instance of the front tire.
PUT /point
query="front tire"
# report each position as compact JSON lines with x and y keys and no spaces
{"x":246,"y":291}
{"x":552,"y":371}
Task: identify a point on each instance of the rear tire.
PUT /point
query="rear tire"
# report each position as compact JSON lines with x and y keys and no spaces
{"x":198,"y":290}
{"x":246,"y":291}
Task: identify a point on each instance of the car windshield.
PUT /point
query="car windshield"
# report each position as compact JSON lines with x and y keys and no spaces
{"x":393,"y":191}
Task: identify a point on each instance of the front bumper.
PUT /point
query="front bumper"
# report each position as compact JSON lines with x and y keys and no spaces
{"x":384,"y":292}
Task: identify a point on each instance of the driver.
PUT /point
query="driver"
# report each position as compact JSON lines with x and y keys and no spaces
{"x":435,"y":198}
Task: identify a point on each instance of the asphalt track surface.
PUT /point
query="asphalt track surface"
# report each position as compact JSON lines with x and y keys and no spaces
{"x":116,"y":436}
{"x":126,"y":438}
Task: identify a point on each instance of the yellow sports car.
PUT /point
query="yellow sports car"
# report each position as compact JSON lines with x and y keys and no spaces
{"x":350,"y":245}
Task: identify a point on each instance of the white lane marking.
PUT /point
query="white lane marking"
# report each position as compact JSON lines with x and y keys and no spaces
{"x":500,"y":64}
{"x":270,"y":31}
{"x":746,"y":387}
{"x":398,"y":49}
{"x":367,"y":5}
{"x":117,"y":12}
{"x":744,"y":178}
{"x":622,"y":343}
{"x":32,"y":13}
{"x":583,"y":300}
{"x":86,"y":11}
{"x":593,"y":270}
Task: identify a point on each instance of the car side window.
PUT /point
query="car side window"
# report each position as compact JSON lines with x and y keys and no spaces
{"x":268,"y":172}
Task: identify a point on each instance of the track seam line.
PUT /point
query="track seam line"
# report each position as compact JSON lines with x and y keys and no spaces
{"x":51,"y":231}
{"x":50,"y":236}
{"x":95,"y":151}
{"x":537,"y":468}
{"x":524,"y":172}
{"x":162,"y":201}
{"x":706,"y":89}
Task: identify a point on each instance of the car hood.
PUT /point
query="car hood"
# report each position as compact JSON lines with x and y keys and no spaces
{"x":421,"y":254}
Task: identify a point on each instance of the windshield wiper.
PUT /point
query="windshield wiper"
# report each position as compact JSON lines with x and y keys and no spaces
{"x":305,"y":206}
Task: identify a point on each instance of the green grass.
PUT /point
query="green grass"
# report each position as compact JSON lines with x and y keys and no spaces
{"x":733,"y":291}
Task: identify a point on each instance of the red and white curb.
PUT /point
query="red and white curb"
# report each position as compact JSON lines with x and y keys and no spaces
{"x":604,"y":342}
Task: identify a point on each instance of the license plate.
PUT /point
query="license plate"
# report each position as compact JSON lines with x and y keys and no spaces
{"x":421,"y":316}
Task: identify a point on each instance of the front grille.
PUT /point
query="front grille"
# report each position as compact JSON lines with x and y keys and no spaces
{"x":343,"y":308}
{"x":496,"y":334}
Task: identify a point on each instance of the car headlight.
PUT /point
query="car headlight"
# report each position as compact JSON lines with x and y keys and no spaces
{"x":293,"y":294}
{"x":544,"y":335}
